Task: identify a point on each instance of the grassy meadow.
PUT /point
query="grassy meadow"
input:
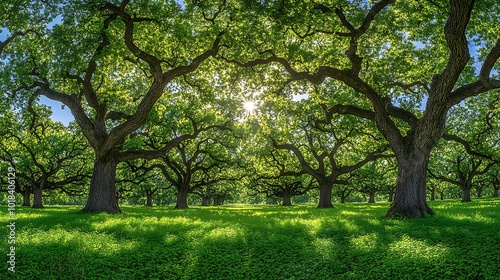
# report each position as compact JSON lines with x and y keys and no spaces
{"x":351,"y":241}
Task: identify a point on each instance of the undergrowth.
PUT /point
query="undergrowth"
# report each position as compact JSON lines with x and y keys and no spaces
{"x":352,"y":241}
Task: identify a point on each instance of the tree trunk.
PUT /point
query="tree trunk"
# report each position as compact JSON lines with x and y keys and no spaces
{"x":342,"y":199}
{"x":479,"y":191}
{"x":182,"y":198}
{"x":102,"y":195}
{"x":391,"y":196}
{"x":325,"y":196}
{"x":149,"y":199}
{"x":222,"y":200}
{"x":37,"y":197}
{"x":219,"y":200}
{"x":495,"y":192}
{"x":410,"y":198}
{"x":466,"y":194}
{"x":441,"y":195}
{"x":205,"y":200}
{"x":372,"y":196}
{"x":287,"y":199}
{"x":27,"y":197}
{"x":269,"y":200}
{"x":433,"y":193}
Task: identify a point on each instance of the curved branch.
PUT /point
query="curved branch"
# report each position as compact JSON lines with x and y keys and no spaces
{"x":75,"y":106}
{"x":160,"y":152}
{"x":467,"y":147}
{"x":484,"y":82}
{"x":289,"y":147}
{"x":154,"y":93}
{"x":13,"y":36}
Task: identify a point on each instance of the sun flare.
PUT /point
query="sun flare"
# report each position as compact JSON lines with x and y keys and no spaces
{"x":249,"y":106}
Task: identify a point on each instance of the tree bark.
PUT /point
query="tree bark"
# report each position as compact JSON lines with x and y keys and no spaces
{"x":466,"y":194}
{"x":433,"y":193}
{"x":495,"y":192}
{"x":182,"y":198}
{"x":149,"y":199}
{"x":410,"y":198}
{"x":27,"y":197}
{"x":479,"y":192}
{"x":372,"y":196}
{"x":219,"y":200}
{"x":287,"y":199}
{"x":391,"y":196}
{"x":342,"y":199}
{"x":102,"y":195}
{"x":205,"y":200}
{"x":441,"y":195}
{"x":37,"y":197}
{"x":325,"y":196}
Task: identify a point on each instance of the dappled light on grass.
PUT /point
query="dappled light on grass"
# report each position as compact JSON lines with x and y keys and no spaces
{"x":352,"y":241}
{"x":324,"y":247}
{"x":225,"y":232}
{"x":411,"y":249}
{"x":348,"y":224}
{"x":311,"y":225}
{"x":367,"y":242}
{"x":474,"y":217}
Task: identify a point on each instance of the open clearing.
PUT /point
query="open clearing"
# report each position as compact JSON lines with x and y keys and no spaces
{"x":351,"y":241}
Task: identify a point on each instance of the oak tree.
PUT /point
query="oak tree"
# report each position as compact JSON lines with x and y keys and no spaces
{"x":410,"y":60}
{"x":109,"y":64}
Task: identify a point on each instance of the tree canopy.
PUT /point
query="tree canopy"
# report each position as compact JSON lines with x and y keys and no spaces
{"x":264,"y":88}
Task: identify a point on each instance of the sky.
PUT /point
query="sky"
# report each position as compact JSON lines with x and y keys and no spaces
{"x":58,"y":114}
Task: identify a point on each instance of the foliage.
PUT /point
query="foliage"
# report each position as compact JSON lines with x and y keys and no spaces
{"x":47,"y":155}
{"x":471,"y":150}
{"x":375,"y":177}
{"x":145,"y":79}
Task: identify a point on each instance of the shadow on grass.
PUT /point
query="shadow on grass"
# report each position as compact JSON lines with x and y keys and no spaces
{"x":302,"y":242}
{"x":460,"y":242}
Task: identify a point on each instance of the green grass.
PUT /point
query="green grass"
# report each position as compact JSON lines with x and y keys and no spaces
{"x":353,"y":241}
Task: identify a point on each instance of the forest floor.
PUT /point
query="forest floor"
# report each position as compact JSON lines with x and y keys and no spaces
{"x":350,"y":241}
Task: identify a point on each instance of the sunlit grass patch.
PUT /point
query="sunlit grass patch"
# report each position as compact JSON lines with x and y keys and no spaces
{"x":312,"y":225}
{"x":366,"y":242}
{"x":324,"y":247}
{"x":409,"y":248}
{"x":352,"y":241}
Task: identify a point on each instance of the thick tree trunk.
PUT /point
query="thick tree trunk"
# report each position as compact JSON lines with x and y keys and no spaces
{"x":102,"y":195}
{"x":410,"y":198}
{"x":182,"y":198}
{"x":495,"y":192}
{"x":372,"y":196}
{"x":149,"y":199}
{"x":441,"y":195}
{"x":37,"y":197}
{"x":466,"y":194}
{"x":325,"y":196}
{"x":27,"y":197}
{"x":287,"y":199}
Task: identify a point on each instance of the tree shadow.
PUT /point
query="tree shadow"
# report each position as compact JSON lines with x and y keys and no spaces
{"x":302,"y":242}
